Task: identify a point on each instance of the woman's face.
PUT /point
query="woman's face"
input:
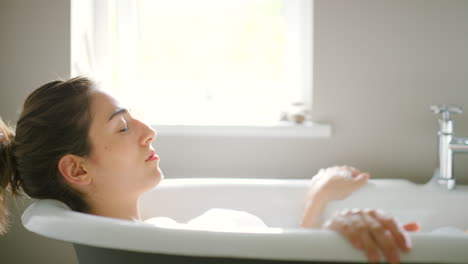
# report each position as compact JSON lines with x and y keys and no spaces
{"x":122,"y":160}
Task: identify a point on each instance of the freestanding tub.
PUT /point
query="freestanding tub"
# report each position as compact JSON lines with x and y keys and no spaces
{"x":278,"y":202}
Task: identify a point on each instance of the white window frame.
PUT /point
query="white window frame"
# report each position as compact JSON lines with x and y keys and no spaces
{"x":94,"y":37}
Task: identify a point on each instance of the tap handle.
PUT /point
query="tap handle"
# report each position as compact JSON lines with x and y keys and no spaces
{"x":446,"y":110}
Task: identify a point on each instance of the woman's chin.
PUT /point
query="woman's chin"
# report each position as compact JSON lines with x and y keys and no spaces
{"x":157,"y":178}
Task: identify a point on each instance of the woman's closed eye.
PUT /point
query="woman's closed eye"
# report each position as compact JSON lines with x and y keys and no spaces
{"x":125,"y":129}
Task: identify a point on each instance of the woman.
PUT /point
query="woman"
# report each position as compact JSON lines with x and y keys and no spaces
{"x":76,"y":144}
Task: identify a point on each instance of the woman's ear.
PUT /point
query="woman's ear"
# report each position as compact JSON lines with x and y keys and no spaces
{"x":72,"y":169}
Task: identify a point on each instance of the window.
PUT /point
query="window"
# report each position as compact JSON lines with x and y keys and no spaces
{"x":215,"y":62}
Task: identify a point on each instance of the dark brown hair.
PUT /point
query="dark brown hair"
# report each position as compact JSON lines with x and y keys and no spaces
{"x":54,"y":121}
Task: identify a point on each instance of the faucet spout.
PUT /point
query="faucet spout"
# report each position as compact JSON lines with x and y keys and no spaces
{"x":459,"y":144}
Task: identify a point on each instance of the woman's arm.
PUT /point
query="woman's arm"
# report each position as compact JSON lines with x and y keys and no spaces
{"x":368,"y":230}
{"x":330,"y":184}
{"x":313,"y":212}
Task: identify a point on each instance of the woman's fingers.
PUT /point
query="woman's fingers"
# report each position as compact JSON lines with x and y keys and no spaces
{"x":371,"y":232}
{"x":354,"y":229}
{"x":401,"y":237}
{"x":359,"y":181}
{"x":354,"y":172}
{"x":336,"y":183}
{"x":361,"y":230}
{"x":343,"y":171}
{"x":343,"y":226}
{"x":383,"y":238}
{"x":362,"y":177}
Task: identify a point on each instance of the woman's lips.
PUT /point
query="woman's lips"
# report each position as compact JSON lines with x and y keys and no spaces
{"x":152,"y":157}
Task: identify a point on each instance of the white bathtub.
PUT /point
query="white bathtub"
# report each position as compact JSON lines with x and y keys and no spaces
{"x":278,"y":202}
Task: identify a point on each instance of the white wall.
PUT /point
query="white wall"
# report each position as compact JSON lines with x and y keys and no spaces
{"x":34,"y":49}
{"x":378,"y":66}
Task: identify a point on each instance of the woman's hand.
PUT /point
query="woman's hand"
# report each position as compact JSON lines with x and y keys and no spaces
{"x":336,"y":183}
{"x":372,"y":231}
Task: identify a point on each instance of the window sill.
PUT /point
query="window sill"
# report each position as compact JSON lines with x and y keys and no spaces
{"x":280,"y":130}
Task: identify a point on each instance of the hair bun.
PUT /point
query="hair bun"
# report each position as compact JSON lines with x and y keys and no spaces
{"x":7,"y":136}
{"x":7,"y":171}
{"x":7,"y":164}
{"x":6,"y":133}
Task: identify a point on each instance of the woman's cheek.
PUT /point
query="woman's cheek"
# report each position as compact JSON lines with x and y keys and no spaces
{"x":119,"y":154}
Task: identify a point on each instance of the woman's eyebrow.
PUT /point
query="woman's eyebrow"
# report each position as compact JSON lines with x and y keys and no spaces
{"x":119,"y":111}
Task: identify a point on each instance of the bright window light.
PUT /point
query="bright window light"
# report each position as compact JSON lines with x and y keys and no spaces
{"x":204,"y":62}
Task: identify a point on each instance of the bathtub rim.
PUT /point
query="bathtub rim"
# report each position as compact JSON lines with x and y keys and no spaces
{"x":59,"y":220}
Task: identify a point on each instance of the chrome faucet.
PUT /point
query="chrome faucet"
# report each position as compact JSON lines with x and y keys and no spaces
{"x":448,"y":144}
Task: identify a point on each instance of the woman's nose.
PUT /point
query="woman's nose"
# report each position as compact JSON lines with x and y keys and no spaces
{"x":149,"y":135}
